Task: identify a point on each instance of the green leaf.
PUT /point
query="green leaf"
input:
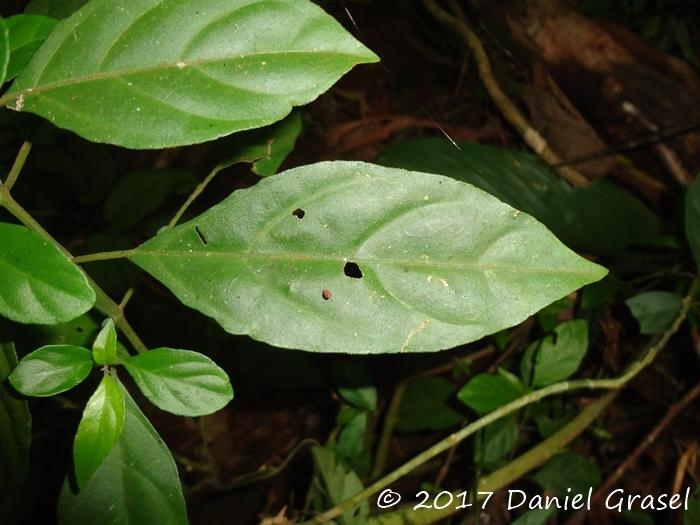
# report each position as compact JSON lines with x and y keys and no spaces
{"x":536,"y":516}
{"x":38,"y":283}
{"x":51,"y":369}
{"x":99,"y":429}
{"x":136,"y":195}
{"x":180,"y":381}
{"x":558,"y":356}
{"x":137,"y":483}
{"x":104,"y":349}
{"x":655,"y":311}
{"x":691,"y":516}
{"x":4,"y":50}
{"x":495,"y":441}
{"x":264,"y":148}
{"x":356,"y":258}
{"x":600,"y":218}
{"x":692,"y":218}
{"x":15,"y":435}
{"x":486,"y":392}
{"x":53,"y":8}
{"x":164,"y":74}
{"x":424,"y":405}
{"x":27,"y":33}
{"x":568,"y":470}
{"x":355,"y":385}
{"x":352,"y":439}
{"x":340,"y":483}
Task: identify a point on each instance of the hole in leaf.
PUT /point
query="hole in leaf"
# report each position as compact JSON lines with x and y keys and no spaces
{"x":299,"y":213}
{"x":326,"y":294}
{"x":201,"y":235}
{"x":351,"y":269}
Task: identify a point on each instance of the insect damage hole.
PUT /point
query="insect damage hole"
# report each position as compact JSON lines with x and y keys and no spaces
{"x":201,"y":235}
{"x":299,"y":213}
{"x":351,"y":269}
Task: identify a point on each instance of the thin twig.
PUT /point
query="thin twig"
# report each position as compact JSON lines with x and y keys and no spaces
{"x":509,"y":110}
{"x":196,"y":193}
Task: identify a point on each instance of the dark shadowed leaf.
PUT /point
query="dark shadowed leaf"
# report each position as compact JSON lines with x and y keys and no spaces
{"x":15,"y":435}
{"x":4,"y":50}
{"x":655,"y":310}
{"x":99,"y":429}
{"x":180,"y":381}
{"x":424,"y":405}
{"x":568,"y":470}
{"x":357,"y":258}
{"x":38,"y":283}
{"x":355,"y":385}
{"x":51,"y":370}
{"x":495,"y":441}
{"x":601,"y":218}
{"x":164,"y":74}
{"x":137,"y":483}
{"x":692,"y":218}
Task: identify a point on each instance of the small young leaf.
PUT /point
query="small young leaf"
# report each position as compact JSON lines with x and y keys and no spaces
{"x":355,"y":385}
{"x":369,"y":259}
{"x":692,"y":218}
{"x":568,"y":470}
{"x":137,"y":483}
{"x":104,"y":349}
{"x":15,"y":435}
{"x":38,"y":283}
{"x":487,"y":392}
{"x":559,"y":356}
{"x":182,"y":382}
{"x":51,"y":369}
{"x":166,"y":74}
{"x":340,"y":483}
{"x":99,"y":429}
{"x":655,"y":311}
{"x":424,"y":405}
{"x":27,"y":33}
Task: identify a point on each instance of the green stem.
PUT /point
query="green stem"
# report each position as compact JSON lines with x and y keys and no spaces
{"x":500,"y":478}
{"x":392,"y":417}
{"x":532,"y":397}
{"x":103,"y":302}
{"x":195,"y":193}
{"x":20,"y":159}
{"x":104,"y":256}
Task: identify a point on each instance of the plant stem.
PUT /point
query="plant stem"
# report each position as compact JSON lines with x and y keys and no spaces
{"x":103,"y":302}
{"x":104,"y":256}
{"x":527,"y":399}
{"x":498,"y":479}
{"x":17,"y":166}
{"x":196,"y":192}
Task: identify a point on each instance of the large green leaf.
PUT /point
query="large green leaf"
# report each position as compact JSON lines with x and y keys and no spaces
{"x":4,"y":50}
{"x":51,"y":369}
{"x":163,"y":74}
{"x":137,"y":483}
{"x":180,"y":381}
{"x":99,"y":429}
{"x":356,"y":258}
{"x":15,"y":435}
{"x":601,"y":218}
{"x":38,"y":283}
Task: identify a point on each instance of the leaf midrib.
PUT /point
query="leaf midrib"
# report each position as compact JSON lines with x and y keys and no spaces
{"x":98,"y":76}
{"x":295,"y":256}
